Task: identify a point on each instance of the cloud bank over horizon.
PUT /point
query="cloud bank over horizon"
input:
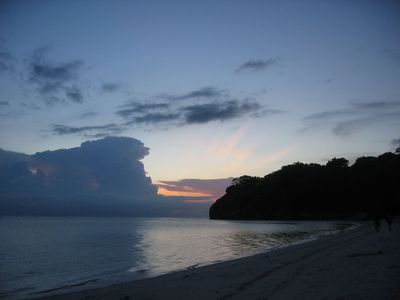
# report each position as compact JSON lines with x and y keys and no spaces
{"x":101,"y":177}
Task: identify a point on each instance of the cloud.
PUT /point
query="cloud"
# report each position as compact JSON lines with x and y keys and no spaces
{"x":55,"y":80}
{"x":257,"y":65}
{"x":330,"y":79}
{"x":201,"y":109}
{"x":110,"y":87}
{"x":205,"y":190}
{"x":10,"y":157}
{"x":31,"y":106}
{"x":345,"y":128}
{"x":376,"y":106}
{"x":74,"y":94}
{"x":267,"y":112}
{"x":357,"y":116}
{"x":348,"y":127}
{"x":102,"y":177}
{"x":146,"y":113}
{"x":396,"y":142}
{"x":356,"y":108}
{"x":7,"y":61}
{"x":98,"y":175}
{"x":163,"y":113}
{"x":4,"y":103}
{"x":205,"y":92}
{"x":88,"y":114}
{"x":204,"y":113}
{"x":154,"y":118}
{"x":328,"y":115}
{"x":94,"y":131}
{"x":191,"y":114}
{"x":133,"y":108}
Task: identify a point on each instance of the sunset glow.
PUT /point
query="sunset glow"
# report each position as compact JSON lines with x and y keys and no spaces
{"x":165,"y":190}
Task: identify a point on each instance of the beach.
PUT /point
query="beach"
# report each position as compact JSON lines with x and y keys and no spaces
{"x":356,"y":264}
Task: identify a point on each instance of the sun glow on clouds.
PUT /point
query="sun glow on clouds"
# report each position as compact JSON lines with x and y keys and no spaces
{"x":187,"y":191}
{"x":195,"y":190}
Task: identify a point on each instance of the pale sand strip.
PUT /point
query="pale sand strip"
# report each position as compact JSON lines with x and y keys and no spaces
{"x":357,"y":264}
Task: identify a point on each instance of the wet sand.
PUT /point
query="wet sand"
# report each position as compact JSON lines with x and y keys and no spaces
{"x":356,"y":264}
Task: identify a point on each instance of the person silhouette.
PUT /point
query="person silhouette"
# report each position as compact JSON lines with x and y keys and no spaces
{"x":377,"y":222}
{"x":389,"y":221}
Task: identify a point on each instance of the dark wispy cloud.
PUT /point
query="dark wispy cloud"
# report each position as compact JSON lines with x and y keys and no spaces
{"x":328,"y":115}
{"x":376,"y":105}
{"x":147,"y":113}
{"x":257,"y":65}
{"x":53,"y":77}
{"x":110,"y":87}
{"x":357,"y":116}
{"x":30,"y":106}
{"x":205,"y":92}
{"x":265,"y":112}
{"x":330,"y":79}
{"x":348,"y":127}
{"x":55,"y":81}
{"x":204,"y":113}
{"x":88,"y":114}
{"x":204,"y":105}
{"x":345,"y":128}
{"x":191,"y":114}
{"x":74,"y":94}
{"x":96,"y":130}
{"x":355,"y":108}
{"x":4,"y":103}
{"x":132,"y":108}
{"x":7,"y":60}
{"x":154,"y":118}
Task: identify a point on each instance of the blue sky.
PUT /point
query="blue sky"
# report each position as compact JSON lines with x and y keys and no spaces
{"x":215,"y":89}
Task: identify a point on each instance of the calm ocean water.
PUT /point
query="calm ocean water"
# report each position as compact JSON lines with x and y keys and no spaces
{"x":41,"y":256}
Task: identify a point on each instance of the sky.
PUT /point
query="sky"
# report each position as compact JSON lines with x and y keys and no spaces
{"x":214,"y":89}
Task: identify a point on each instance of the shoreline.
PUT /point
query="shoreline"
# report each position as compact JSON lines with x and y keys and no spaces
{"x":353,"y":264}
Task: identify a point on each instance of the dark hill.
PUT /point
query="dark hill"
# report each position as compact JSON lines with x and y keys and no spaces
{"x":312,"y":191}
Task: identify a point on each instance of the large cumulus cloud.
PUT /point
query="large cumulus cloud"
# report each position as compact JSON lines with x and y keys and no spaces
{"x":103,"y":177}
{"x":109,"y":167}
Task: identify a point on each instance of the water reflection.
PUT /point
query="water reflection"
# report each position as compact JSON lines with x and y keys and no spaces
{"x":247,"y":242}
{"x":38,"y":254}
{"x":180,"y":243}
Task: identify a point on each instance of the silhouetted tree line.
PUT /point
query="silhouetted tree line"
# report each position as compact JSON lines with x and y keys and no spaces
{"x":311,"y":191}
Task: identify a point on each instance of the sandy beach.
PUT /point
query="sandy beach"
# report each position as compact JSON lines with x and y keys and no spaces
{"x":356,"y":264}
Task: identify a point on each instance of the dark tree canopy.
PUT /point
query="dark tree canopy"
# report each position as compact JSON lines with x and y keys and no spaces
{"x":337,"y":163}
{"x":313,"y":191}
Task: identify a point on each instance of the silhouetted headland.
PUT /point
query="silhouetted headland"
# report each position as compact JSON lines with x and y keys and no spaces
{"x":313,"y":191}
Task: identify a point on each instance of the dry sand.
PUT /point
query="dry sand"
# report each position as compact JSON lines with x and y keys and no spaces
{"x":357,"y":264}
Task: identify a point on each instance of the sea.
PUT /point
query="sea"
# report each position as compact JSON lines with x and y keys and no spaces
{"x":42,"y":256}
